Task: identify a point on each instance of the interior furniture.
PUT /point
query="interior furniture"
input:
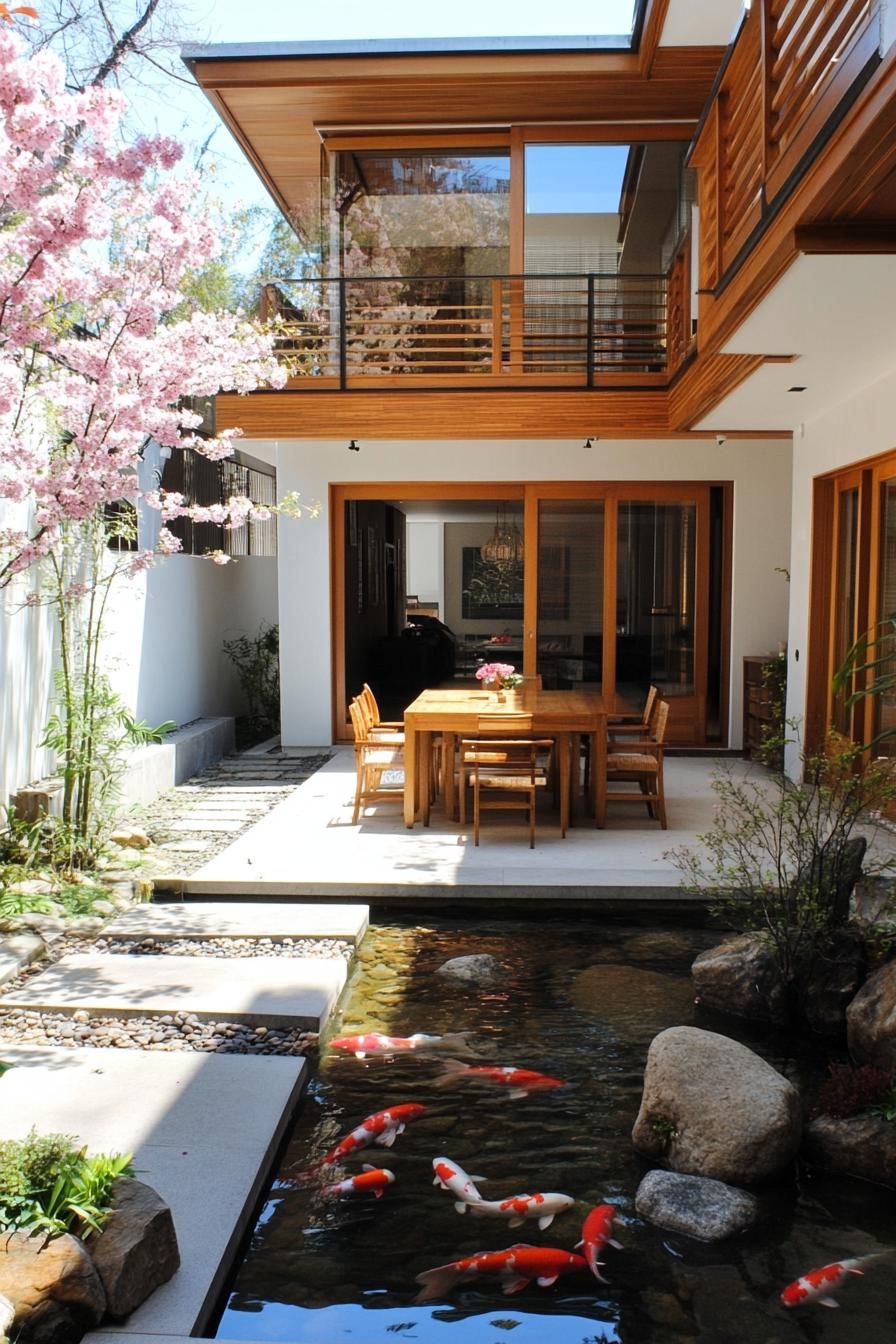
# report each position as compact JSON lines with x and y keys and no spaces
{"x":454,"y":713}
{"x":765,"y":692}
{"x":504,"y":774}
{"x":640,"y":762}
{"x":373,"y":761}
{"x":638,"y":725}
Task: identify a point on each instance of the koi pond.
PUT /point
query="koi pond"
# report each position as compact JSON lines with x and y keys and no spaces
{"x":580,"y":1001}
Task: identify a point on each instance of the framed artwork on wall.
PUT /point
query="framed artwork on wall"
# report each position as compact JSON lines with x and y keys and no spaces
{"x":491,"y":590}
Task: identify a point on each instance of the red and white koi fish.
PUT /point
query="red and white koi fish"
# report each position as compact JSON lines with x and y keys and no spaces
{"x":518,"y":1208}
{"x":375,"y":1043}
{"x":452,"y":1177}
{"x":596,"y":1234}
{"x":372,"y":1180}
{"x":819,"y":1284}
{"x":381,"y":1128}
{"x":520,"y":1081}
{"x":515,"y":1267}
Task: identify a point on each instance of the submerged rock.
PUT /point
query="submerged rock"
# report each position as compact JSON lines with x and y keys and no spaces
{"x":860,"y":1145}
{"x":632,"y":1000}
{"x":695,"y":1205}
{"x":871,"y":1020}
{"x":711,"y":1107}
{"x":477,"y":968}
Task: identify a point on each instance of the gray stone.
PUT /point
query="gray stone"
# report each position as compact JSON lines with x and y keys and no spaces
{"x":136,"y":1251}
{"x":53,"y":1286}
{"x":695,"y":1205}
{"x":477,"y":968}
{"x":741,"y":977}
{"x":860,"y":1145}
{"x":871,"y":1020}
{"x":711,"y":1107}
{"x":834,"y":976}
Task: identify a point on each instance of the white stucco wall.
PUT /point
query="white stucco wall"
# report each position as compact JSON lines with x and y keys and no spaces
{"x":426,"y":560}
{"x":860,"y":427}
{"x":760,"y":469}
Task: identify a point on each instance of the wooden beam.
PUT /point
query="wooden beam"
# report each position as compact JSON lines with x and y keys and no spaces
{"x":847,"y":237}
{"x":705,"y":382}
{"x":651,"y":33}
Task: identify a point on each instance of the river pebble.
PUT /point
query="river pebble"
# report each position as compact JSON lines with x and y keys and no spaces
{"x":180,"y":1031}
{"x":228,"y":947}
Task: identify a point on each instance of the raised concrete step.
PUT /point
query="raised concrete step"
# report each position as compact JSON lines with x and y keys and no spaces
{"x":204,"y":1131}
{"x":262,"y":991}
{"x":218,"y":919}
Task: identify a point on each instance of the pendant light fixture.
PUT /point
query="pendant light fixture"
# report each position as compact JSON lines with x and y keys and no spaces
{"x":505,"y":545}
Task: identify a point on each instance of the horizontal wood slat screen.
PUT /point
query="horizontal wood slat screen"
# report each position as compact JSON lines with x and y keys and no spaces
{"x":792,"y":64}
{"x":586,"y":328}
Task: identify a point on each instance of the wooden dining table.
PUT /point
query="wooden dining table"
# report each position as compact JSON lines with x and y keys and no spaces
{"x":565,"y":716}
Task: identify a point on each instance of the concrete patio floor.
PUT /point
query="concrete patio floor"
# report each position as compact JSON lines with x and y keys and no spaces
{"x":307,"y":846}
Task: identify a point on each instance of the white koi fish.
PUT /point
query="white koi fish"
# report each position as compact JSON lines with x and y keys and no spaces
{"x":452,"y":1177}
{"x":518,"y":1208}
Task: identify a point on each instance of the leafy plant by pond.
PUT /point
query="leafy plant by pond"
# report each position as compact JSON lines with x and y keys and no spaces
{"x":47,"y":1184}
{"x":257,"y":662}
{"x":782,"y":857}
{"x":850,"y":1089}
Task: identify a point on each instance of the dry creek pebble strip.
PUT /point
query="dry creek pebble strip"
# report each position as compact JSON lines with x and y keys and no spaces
{"x":324,"y":948}
{"x":169,"y":1032}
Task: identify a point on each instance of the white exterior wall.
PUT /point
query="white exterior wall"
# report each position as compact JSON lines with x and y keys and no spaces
{"x":760,"y":469}
{"x":163,"y":652}
{"x":860,"y":427}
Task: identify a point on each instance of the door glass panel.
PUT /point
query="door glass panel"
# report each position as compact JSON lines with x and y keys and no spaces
{"x":570,"y":593}
{"x":655,"y":594}
{"x":845,"y":597}
{"x":885,"y":704}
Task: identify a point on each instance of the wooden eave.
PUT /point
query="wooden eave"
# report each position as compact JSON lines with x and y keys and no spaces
{"x":278,"y":107}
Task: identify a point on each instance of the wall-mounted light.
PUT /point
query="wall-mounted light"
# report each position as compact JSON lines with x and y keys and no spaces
{"x":590,"y":441}
{"x":354,"y":446}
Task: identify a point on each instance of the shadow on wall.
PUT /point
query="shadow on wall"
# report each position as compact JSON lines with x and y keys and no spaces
{"x":26,"y":676}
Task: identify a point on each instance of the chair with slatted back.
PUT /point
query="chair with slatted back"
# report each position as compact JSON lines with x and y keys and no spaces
{"x":374,"y":760}
{"x":641,"y":725}
{"x":640,"y":762}
{"x":503,"y":768}
{"x":378,"y":726}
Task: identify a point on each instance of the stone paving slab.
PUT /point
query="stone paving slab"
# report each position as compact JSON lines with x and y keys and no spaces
{"x":261,"y":991}
{"x":222,"y":919}
{"x":204,"y":1131}
{"x":17,"y":951}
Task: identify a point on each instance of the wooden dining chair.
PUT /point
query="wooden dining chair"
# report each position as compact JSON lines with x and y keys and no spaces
{"x":641,"y":725}
{"x":504,"y":774}
{"x":641,"y":762}
{"x":373,"y":761}
{"x":377,"y":727}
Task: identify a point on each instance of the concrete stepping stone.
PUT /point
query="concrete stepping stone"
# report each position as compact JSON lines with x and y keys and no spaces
{"x":231,"y":919}
{"x":204,"y":1131}
{"x":260,"y":991}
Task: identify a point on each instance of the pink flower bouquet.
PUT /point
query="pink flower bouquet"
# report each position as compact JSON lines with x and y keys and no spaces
{"x":497,"y":675}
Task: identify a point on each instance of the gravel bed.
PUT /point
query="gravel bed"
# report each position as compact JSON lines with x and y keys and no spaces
{"x":168,"y":1032}
{"x":325,"y":948}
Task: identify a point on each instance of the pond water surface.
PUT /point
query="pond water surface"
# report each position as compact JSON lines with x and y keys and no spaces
{"x":579,"y":1000}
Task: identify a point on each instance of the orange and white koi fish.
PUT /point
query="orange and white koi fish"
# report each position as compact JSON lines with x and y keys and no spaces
{"x":819,"y":1285}
{"x":375,"y":1043}
{"x":520,"y":1081}
{"x":381,"y":1128}
{"x":518,"y":1208}
{"x":516,"y":1268}
{"x":372,"y":1180}
{"x":452,"y":1177}
{"x":596,"y":1234}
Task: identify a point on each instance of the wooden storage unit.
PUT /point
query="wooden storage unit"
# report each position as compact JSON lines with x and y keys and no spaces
{"x":764,"y":696}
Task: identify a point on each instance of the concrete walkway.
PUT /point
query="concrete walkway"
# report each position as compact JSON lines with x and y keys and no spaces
{"x":204,"y":1127}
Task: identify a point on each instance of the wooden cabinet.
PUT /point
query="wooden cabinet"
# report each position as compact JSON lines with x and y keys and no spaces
{"x":765,"y":688}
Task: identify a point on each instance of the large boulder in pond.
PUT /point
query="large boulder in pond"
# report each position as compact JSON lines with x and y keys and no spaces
{"x":871,"y":1020}
{"x":695,"y":1205}
{"x":835,"y":973}
{"x":476,"y":969}
{"x":711,"y":1107}
{"x":137,"y":1250}
{"x":859,"y":1145}
{"x":741,"y":976}
{"x":53,"y":1286}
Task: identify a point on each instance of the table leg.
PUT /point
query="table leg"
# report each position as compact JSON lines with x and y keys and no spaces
{"x":563,"y":753}
{"x":424,"y":774}
{"x":599,"y":774}
{"x":410,"y":774}
{"x":448,"y":746}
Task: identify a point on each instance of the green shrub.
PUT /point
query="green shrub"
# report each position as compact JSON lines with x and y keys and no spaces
{"x":49,"y":1185}
{"x":850,"y":1089}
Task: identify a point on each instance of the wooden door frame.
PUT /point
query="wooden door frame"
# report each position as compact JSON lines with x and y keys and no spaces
{"x":529,"y":494}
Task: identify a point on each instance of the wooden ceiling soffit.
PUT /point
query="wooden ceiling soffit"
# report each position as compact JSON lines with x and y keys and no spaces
{"x":705,"y":382}
{"x":446,"y":415}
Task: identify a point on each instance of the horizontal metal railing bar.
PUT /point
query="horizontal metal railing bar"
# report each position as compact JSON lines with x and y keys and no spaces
{"x":615,"y":276}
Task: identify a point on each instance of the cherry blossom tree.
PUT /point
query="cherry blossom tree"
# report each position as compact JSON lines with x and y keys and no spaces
{"x":100,"y":344}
